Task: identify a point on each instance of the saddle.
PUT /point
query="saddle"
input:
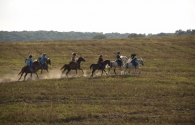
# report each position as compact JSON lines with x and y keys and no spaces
{"x":73,"y":65}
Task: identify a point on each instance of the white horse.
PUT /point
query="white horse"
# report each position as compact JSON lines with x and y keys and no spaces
{"x":130,"y":65}
{"x":115,"y":65}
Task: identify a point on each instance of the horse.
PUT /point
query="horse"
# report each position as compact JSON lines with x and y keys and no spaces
{"x":26,"y":69}
{"x":96,"y":66}
{"x":73,"y":66}
{"x":48,"y":61}
{"x":130,"y":65}
{"x":115,"y":65}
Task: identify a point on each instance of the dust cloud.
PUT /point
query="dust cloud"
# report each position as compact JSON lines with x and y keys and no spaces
{"x":53,"y":74}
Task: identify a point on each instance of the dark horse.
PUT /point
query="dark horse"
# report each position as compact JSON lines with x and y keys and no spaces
{"x":97,"y":66}
{"x":26,"y":69}
{"x":73,"y":66}
{"x":46,"y":65}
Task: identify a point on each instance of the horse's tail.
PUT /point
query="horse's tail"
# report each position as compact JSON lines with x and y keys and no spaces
{"x":20,"y":72}
{"x":91,"y":66}
{"x":63,"y":67}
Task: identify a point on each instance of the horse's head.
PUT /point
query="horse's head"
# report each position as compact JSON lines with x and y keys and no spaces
{"x":80,"y":59}
{"x":141,"y":61}
{"x":107,"y":62}
{"x":48,"y":61}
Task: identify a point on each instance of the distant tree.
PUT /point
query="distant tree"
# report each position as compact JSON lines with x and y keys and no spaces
{"x":99,"y":36}
{"x":179,"y":32}
{"x":134,"y":35}
{"x":162,"y":34}
{"x":193,"y":32}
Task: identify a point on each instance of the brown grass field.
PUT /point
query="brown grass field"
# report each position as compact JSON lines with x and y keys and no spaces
{"x":164,"y":92}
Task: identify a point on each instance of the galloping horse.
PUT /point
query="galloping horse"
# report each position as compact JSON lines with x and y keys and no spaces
{"x":96,"y":66}
{"x":73,"y":66}
{"x":26,"y":69}
{"x":130,"y":65}
{"x":115,"y":65}
{"x":46,"y":66}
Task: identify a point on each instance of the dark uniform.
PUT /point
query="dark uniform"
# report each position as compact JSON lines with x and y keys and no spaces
{"x":118,"y":59}
{"x":100,"y":62}
{"x":134,"y":58}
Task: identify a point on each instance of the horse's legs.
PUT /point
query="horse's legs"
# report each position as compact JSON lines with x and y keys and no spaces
{"x":125,"y":70}
{"x":20,"y":76}
{"x":81,"y":70}
{"x":47,"y":70}
{"x":37,"y":75}
{"x":92,"y":72}
{"x":115,"y":71}
{"x":139,"y":70}
{"x":63,"y":71}
{"x":67,"y":72}
{"x":104,"y":71}
{"x":108,"y":70}
{"x":25,"y":76}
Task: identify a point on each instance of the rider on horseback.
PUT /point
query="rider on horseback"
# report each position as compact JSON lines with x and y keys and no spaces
{"x":43,"y":60}
{"x":118,"y":59}
{"x":134,"y":58}
{"x":100,"y":62}
{"x":74,"y":58}
{"x":29,"y":62}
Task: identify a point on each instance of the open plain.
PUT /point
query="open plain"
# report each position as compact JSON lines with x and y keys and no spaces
{"x":163,"y":93}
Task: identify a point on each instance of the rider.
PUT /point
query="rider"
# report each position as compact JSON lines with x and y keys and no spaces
{"x":118,"y":59}
{"x":100,"y":62}
{"x":29,"y":62}
{"x":74,"y":58}
{"x":134,"y":58}
{"x":43,"y":60}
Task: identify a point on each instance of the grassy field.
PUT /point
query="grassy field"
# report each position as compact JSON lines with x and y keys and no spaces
{"x":164,"y":92}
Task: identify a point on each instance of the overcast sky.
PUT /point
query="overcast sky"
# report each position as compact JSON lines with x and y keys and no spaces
{"x":107,"y":16}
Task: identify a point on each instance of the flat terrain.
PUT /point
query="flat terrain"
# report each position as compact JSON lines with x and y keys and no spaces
{"x":164,"y":92}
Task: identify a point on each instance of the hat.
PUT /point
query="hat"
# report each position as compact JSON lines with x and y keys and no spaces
{"x":133,"y":54}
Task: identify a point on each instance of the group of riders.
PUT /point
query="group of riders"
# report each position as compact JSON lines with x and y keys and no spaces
{"x":118,"y":60}
{"x":43,"y":58}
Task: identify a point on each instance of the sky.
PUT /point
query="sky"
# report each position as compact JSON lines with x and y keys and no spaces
{"x":106,"y":16}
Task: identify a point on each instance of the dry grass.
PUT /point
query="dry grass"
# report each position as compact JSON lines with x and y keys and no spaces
{"x":162,"y":94}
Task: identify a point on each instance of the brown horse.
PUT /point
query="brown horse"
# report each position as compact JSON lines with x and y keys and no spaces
{"x":46,"y":65}
{"x":73,"y":66}
{"x":96,"y":66}
{"x":26,"y":69}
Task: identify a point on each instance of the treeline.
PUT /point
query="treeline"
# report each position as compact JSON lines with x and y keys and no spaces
{"x":6,"y":36}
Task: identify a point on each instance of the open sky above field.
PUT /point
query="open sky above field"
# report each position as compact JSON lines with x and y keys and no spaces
{"x":107,"y":16}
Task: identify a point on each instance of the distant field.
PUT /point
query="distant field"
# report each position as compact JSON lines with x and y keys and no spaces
{"x":164,"y":92}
